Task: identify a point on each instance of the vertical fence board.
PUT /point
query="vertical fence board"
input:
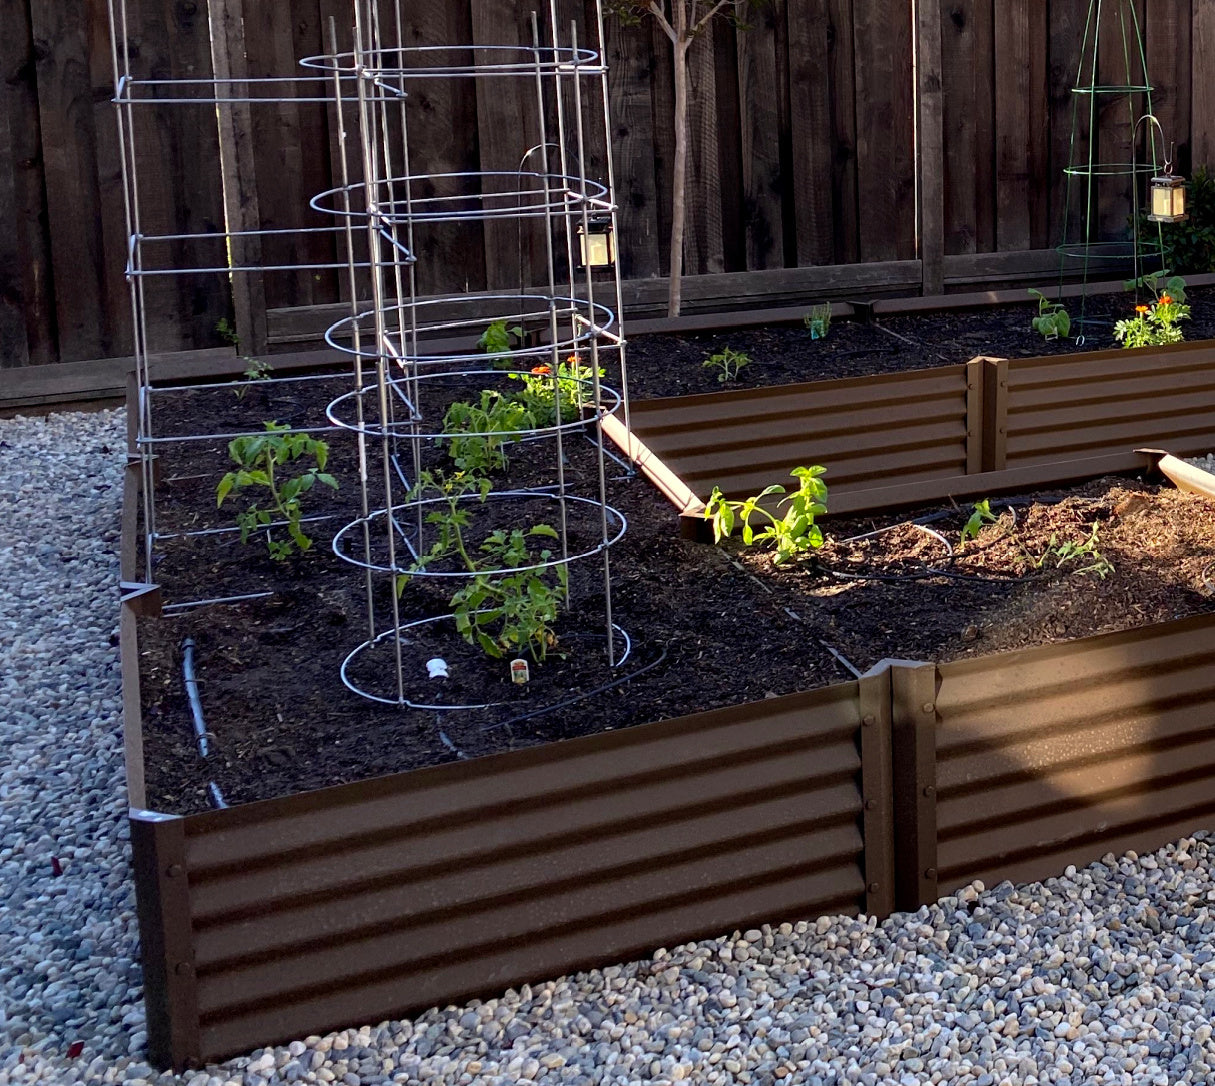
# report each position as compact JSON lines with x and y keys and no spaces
{"x":14,"y":346}
{"x":634,"y":69}
{"x":811,"y":174}
{"x":931,"y":158}
{"x":150,"y":134}
{"x":663,"y":97}
{"x":442,"y":117}
{"x":1170,"y":63}
{"x":730,"y":111}
{"x":1202,"y":108}
{"x":501,"y":104}
{"x":1022,"y":122}
{"x":885,"y":152}
{"x":844,"y":189}
{"x":966,"y":64}
{"x":69,"y":148}
{"x":196,"y":180}
{"x":109,"y":180}
{"x":238,"y":159}
{"x":25,"y":324}
{"x":289,"y":146}
{"x":1067,"y":34}
{"x":1117,"y":116}
{"x":704,"y":247}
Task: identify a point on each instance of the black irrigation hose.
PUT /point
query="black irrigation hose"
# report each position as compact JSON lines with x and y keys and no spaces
{"x":578,"y":697}
{"x":202,"y":736}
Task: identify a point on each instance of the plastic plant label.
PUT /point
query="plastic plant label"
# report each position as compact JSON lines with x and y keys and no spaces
{"x":520,"y":672}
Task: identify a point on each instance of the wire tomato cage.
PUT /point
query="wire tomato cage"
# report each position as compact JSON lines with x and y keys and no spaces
{"x":394,"y":207}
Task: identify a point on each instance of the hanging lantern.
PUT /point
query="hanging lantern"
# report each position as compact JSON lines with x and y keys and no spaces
{"x":597,"y":243}
{"x":1168,"y":197}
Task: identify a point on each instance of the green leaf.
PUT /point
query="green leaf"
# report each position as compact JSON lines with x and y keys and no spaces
{"x":727,"y":520}
{"x":301,"y":540}
{"x":224,"y":489}
{"x":488,"y":645}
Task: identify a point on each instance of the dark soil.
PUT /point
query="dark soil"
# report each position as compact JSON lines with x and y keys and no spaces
{"x":710,"y":627}
{"x":673,"y":365}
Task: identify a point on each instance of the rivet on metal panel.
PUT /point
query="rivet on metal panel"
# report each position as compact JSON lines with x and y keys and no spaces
{"x":930,"y":791}
{"x":869,"y":721}
{"x":929,"y":707}
{"x":175,"y":871}
{"x":183,"y":969}
{"x":931,"y":873}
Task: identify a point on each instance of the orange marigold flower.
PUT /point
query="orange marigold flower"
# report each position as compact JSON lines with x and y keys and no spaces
{"x":1141,"y":309}
{"x":542,"y":369}
{"x":1165,"y":300}
{"x":572,"y":360}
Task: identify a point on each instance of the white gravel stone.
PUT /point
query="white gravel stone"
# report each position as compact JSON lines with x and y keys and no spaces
{"x":1105,"y":975}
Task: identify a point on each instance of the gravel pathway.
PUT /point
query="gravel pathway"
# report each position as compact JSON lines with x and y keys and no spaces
{"x":1106,"y":975}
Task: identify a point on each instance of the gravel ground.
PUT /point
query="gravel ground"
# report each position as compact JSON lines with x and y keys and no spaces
{"x":1106,"y":975}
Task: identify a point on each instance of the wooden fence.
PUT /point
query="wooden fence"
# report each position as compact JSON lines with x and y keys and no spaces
{"x":813,"y":145}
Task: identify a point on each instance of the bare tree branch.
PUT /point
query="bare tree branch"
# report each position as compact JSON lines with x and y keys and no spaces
{"x":657,"y":12}
{"x":712,"y":11}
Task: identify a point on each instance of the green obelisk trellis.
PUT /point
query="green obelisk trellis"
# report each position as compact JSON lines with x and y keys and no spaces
{"x":1087,"y":174}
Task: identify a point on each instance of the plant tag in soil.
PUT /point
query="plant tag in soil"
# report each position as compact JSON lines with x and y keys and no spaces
{"x":520,"y":672}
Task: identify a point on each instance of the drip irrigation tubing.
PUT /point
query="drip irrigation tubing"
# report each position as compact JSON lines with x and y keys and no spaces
{"x":929,"y":573}
{"x":202,"y":737}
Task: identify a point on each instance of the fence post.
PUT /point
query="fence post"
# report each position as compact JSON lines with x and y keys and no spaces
{"x":877,"y":792}
{"x":162,"y":893}
{"x":930,"y":149}
{"x":913,"y":736}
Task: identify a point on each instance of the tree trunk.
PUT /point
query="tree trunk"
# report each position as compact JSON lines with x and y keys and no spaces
{"x":679,"y":183}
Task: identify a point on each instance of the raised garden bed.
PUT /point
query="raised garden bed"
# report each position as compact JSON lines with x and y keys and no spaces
{"x":900,"y":439}
{"x":862,"y":345}
{"x":273,"y":919}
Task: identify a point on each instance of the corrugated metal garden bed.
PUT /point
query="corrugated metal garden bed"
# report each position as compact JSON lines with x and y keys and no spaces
{"x":354,"y":903}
